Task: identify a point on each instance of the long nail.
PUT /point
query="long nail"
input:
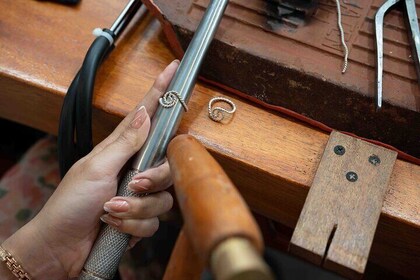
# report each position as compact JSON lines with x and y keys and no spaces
{"x":140,"y":185}
{"x":139,"y":117}
{"x":116,"y":206}
{"x":112,"y":221}
{"x":175,"y":61}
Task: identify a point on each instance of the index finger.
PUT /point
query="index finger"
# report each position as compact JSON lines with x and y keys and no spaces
{"x":150,"y":101}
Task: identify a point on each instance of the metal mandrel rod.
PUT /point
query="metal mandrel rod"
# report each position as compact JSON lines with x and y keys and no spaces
{"x":167,"y":120}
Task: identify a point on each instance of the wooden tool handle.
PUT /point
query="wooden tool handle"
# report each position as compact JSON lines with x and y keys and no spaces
{"x":213,"y":209}
{"x":184,"y":262}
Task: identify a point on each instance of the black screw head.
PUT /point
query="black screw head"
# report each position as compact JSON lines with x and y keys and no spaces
{"x":339,"y":150}
{"x":375,"y":160}
{"x":351,"y":176}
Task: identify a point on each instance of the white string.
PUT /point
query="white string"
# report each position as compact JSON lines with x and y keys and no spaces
{"x":343,"y":42}
{"x":99,"y":32}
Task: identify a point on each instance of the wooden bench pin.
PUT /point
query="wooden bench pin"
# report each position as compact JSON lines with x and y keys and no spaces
{"x":338,"y":221}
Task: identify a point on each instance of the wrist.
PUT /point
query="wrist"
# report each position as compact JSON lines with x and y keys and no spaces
{"x":5,"y":273}
{"x":33,"y":254}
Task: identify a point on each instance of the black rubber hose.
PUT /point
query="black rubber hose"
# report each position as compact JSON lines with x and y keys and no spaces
{"x":84,"y":95}
{"x":78,"y":102}
{"x":76,"y":113}
{"x":66,"y":146}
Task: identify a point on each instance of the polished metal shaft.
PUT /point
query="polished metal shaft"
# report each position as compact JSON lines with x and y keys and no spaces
{"x":166,"y":120}
{"x":379,"y":34}
{"x":110,"y":245}
{"x":125,"y":17}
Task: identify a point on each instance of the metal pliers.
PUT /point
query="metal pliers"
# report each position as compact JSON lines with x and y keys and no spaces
{"x":410,"y":9}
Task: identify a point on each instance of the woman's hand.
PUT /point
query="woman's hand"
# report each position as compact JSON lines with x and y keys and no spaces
{"x":56,"y":243}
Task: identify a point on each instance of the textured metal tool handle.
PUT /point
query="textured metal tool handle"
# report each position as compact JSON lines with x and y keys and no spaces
{"x":110,"y":245}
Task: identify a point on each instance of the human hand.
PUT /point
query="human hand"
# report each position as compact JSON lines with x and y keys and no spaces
{"x":62,"y":234}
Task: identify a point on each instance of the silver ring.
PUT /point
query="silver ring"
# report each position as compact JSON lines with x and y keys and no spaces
{"x":217,"y":114}
{"x":170,"y":98}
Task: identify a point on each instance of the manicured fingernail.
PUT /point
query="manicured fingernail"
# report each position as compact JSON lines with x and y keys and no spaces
{"x":176,"y":61}
{"x":140,"y":185}
{"x":139,"y":117}
{"x":116,"y":206}
{"x":112,"y":221}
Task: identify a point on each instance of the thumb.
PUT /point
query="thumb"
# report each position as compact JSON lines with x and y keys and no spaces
{"x":110,"y":160}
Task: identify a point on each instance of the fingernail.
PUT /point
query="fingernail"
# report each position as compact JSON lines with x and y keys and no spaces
{"x":176,"y":61}
{"x":139,"y":117}
{"x":112,"y":221}
{"x":140,"y":185}
{"x":116,"y":206}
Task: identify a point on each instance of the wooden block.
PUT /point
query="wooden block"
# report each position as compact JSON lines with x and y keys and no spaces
{"x":338,"y":221}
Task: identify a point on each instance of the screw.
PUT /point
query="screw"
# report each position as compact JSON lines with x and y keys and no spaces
{"x":375,"y":160}
{"x":339,"y":150}
{"x":352,"y":176}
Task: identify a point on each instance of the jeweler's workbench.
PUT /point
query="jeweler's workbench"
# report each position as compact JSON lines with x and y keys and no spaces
{"x":271,"y":158}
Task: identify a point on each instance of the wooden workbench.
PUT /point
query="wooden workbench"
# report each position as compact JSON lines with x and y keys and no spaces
{"x":270,"y":157}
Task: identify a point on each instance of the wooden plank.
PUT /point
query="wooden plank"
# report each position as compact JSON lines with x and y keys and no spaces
{"x":270,"y":158}
{"x":338,"y":221}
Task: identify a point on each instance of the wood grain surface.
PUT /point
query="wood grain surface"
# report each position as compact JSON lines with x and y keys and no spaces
{"x":270,"y":158}
{"x":341,"y":212}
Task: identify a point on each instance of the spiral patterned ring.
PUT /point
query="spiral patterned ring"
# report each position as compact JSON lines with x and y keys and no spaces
{"x":170,"y":98}
{"x":217,"y":114}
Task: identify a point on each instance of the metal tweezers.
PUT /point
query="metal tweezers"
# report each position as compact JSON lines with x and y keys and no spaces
{"x":410,"y":7}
